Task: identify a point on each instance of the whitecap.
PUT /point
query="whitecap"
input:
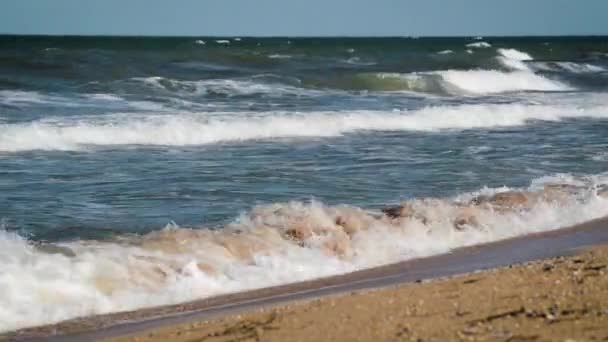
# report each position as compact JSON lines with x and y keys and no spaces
{"x":479,"y":45}
{"x":493,"y":81}
{"x":445,"y":52}
{"x":571,"y":67}
{"x":187,"y":130}
{"x":279,"y":56}
{"x":514,"y":59}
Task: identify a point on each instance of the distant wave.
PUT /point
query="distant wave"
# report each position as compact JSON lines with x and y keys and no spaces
{"x":225,"y":87}
{"x":358,"y":61}
{"x":479,"y":45}
{"x":445,"y":52}
{"x":571,"y":67}
{"x":514,"y":59}
{"x":273,"y":244}
{"x":519,"y":77}
{"x":279,"y":56}
{"x":461,"y":82}
{"x":492,"y":81}
{"x":183,"y":130}
{"x":21,"y":98}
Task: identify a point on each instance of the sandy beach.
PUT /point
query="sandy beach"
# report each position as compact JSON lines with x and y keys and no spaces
{"x":564,"y":298}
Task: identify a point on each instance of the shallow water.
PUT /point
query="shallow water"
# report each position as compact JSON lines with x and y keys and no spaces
{"x":106,"y":141}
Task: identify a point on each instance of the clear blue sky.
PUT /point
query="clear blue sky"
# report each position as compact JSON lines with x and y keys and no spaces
{"x":304,"y":17}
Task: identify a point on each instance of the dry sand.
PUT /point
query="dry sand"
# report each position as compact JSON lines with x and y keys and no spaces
{"x":560,"y":299}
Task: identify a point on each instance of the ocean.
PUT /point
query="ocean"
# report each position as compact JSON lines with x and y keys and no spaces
{"x":137,"y":172}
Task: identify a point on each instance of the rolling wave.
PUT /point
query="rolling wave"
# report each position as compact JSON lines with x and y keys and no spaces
{"x":516,"y":71}
{"x":188,"y":129}
{"x":571,"y":67}
{"x":272,"y":244}
{"x":514,"y":59}
{"x":479,"y":45}
{"x":223,"y":87}
{"x":461,"y":82}
{"x":518,"y":77}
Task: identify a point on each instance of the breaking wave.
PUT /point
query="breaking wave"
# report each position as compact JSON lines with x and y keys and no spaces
{"x":479,"y":45}
{"x":519,"y":77}
{"x":222,"y":87}
{"x":189,"y":129}
{"x":462,"y":82}
{"x":571,"y":67}
{"x":270,"y":245}
{"x":517,"y":74}
{"x":20,"y":98}
{"x":445,"y":52}
{"x":514,"y":59}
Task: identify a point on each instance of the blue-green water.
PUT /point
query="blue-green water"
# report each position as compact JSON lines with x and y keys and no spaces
{"x":103,"y":139}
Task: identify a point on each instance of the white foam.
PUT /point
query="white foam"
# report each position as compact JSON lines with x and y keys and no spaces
{"x":189,"y":129}
{"x":279,"y":56}
{"x":445,"y":52}
{"x":105,"y":97}
{"x":572,"y":67}
{"x":357,"y":61}
{"x":601,"y":157}
{"x":228,"y":87}
{"x":19,"y":97}
{"x":177,"y":265}
{"x":222,"y":41}
{"x":515,"y":54}
{"x":471,"y":82}
{"x":32,"y":99}
{"x":493,"y":81}
{"x":479,"y":45}
{"x":514,"y":59}
{"x":199,"y":42}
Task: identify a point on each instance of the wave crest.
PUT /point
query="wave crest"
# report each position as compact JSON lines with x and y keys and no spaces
{"x":184,"y":130}
{"x":222,"y":87}
{"x":270,"y":245}
{"x":460,"y":82}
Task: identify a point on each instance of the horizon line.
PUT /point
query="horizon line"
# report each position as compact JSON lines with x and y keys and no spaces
{"x":5,"y":34}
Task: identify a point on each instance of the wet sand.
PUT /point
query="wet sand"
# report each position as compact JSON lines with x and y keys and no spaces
{"x":464,"y":306}
{"x":559,"y":299}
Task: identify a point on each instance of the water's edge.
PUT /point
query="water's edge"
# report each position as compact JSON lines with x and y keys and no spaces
{"x":463,"y":260}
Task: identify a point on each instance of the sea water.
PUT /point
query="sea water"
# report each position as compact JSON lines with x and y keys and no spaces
{"x":137,"y":172}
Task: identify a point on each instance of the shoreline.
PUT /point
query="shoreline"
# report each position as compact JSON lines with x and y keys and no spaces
{"x":561,"y":298}
{"x":531,"y":247}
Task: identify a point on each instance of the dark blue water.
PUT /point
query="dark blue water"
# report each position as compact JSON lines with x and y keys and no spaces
{"x":84,"y":182}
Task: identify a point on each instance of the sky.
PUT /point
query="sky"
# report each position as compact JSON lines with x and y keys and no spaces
{"x":304,"y":17}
